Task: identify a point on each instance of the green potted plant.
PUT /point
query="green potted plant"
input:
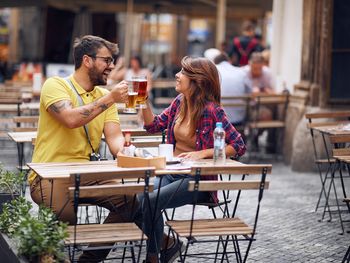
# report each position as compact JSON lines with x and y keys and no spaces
{"x":41,"y":239}
{"x":37,"y":238}
{"x":11,"y":185}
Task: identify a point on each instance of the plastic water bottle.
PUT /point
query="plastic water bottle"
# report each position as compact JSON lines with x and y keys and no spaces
{"x":219,"y":144}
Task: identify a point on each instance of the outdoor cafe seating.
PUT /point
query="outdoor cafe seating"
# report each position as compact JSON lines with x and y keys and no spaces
{"x":236,"y":229}
{"x":112,"y":235}
{"x":325,"y":127}
{"x":227,"y":229}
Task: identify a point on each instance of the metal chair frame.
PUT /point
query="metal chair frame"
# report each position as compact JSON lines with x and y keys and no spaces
{"x":222,"y":241}
{"x":137,"y":173}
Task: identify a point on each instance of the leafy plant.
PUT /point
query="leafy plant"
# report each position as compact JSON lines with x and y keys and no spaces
{"x":41,"y":236}
{"x":36,"y":237}
{"x":11,"y":182}
{"x":11,"y":215}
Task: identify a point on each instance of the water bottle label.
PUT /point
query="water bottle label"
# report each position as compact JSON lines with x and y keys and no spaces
{"x":219,"y":144}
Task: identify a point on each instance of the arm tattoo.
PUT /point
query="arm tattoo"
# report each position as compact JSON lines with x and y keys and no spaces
{"x":60,"y":105}
{"x":103,"y":107}
{"x":87,"y":112}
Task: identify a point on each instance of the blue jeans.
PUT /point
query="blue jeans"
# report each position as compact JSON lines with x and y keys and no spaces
{"x":173,"y":193}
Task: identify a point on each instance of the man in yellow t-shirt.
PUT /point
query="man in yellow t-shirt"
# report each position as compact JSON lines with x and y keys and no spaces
{"x":61,"y":135}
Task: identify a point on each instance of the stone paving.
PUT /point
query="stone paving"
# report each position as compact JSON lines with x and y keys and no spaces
{"x":289,"y":230}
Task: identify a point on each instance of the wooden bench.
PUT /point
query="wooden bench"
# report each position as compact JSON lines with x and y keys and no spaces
{"x":276,"y":104}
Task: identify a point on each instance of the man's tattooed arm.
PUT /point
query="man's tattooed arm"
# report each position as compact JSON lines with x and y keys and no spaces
{"x":60,"y":105}
{"x":73,"y":117}
{"x":95,"y":105}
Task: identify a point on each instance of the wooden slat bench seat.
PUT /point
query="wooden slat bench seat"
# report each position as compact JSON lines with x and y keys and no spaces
{"x":104,"y":233}
{"x":212,"y":227}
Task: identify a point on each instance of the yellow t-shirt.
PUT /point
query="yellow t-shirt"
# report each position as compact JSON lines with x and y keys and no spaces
{"x":57,"y":143}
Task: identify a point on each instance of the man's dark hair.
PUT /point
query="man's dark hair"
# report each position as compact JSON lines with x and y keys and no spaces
{"x":89,"y":45}
{"x":220,"y":58}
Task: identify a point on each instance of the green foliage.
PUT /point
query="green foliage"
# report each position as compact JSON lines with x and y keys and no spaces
{"x":41,"y":236}
{"x":34,"y":236}
{"x":11,"y":182}
{"x":12,"y":213}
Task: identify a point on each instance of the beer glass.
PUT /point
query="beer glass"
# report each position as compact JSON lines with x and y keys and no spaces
{"x":140,"y":84}
{"x":132,"y":97}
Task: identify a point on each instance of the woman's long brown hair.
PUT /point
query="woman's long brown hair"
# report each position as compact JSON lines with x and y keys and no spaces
{"x":204,"y":87}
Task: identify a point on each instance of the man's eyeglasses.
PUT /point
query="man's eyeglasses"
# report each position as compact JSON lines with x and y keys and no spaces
{"x":107,"y":60}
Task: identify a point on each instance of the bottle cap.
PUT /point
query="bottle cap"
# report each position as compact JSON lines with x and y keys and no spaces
{"x":219,"y":124}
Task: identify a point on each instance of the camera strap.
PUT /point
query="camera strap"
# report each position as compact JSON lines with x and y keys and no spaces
{"x":81,"y":103}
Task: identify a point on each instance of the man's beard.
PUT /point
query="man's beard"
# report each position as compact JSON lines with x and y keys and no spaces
{"x":96,"y":78}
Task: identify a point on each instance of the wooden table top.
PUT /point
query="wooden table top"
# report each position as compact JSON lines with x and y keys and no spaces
{"x":22,"y":136}
{"x":334,"y":129}
{"x":63,"y":170}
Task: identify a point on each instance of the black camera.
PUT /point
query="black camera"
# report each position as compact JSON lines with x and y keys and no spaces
{"x":95,"y":157}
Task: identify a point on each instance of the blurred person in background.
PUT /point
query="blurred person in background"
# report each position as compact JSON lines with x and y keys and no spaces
{"x":233,"y":82}
{"x":136,"y":69}
{"x":259,"y":74}
{"x":243,"y":46}
{"x":117,"y":74}
{"x":262,"y":82}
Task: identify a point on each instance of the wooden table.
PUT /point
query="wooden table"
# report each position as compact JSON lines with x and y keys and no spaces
{"x":20,"y":138}
{"x":50,"y":171}
{"x":333,"y":129}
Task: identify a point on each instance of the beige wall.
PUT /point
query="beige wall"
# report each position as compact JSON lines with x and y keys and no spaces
{"x":286,"y":46}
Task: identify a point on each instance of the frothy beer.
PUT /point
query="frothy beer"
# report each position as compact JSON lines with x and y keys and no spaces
{"x":132,"y":96}
{"x":141,"y":86}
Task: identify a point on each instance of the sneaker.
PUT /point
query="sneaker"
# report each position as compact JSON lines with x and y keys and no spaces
{"x":169,"y":255}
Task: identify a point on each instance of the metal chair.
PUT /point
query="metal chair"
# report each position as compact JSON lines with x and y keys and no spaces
{"x":228,"y":231}
{"x":319,"y":119}
{"x":107,"y":236}
{"x":277,"y":104}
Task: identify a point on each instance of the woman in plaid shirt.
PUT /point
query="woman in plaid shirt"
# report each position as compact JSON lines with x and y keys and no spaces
{"x":190,"y":121}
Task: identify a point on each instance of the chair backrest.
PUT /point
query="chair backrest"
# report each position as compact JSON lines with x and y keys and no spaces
{"x":120,"y":173}
{"x":319,"y":119}
{"x":263,"y":99}
{"x":232,"y":169}
{"x":129,"y":181}
{"x":260,"y":170}
{"x":341,"y":147}
{"x":25,"y":123}
{"x":240,"y":103}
